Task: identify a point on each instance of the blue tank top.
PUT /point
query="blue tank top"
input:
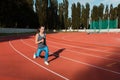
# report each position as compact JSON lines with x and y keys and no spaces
{"x":42,"y":44}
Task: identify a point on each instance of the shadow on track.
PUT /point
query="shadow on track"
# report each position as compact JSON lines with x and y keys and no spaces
{"x":56,"y":54}
{"x":15,"y":37}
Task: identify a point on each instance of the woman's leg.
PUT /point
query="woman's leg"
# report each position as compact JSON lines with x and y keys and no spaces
{"x":38,"y":52}
{"x":46,"y":53}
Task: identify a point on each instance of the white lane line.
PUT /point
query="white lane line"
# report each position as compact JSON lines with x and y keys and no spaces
{"x":104,"y":51}
{"x":82,"y":47}
{"x":91,"y":65}
{"x":36,"y":62}
{"x":64,"y":38}
{"x":73,"y":60}
{"x":78,"y":53}
{"x":83,"y":53}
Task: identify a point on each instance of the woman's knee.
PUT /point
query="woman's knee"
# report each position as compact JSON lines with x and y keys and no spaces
{"x":46,"y":49}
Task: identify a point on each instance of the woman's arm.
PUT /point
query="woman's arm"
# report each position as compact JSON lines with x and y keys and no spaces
{"x":36,"y":39}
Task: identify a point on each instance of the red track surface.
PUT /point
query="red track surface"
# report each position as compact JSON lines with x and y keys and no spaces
{"x":73,"y":56}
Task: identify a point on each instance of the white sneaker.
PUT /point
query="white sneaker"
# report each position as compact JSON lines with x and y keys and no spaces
{"x":34,"y":56}
{"x":46,"y":63}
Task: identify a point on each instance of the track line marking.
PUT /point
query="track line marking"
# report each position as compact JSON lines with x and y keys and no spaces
{"x":109,"y":55}
{"x":82,"y":47}
{"x":73,"y":60}
{"x":84,"y":53}
{"x":36,"y":62}
{"x":91,"y":65}
{"x":111,"y":64}
{"x":93,"y":43}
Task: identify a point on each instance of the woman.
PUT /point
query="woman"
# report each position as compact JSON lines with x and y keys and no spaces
{"x":40,"y":39}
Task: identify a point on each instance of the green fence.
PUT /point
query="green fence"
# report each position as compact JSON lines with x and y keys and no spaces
{"x":104,"y":24}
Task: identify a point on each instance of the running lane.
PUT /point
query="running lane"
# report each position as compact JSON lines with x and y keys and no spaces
{"x":69,"y":64}
{"x":83,"y":58}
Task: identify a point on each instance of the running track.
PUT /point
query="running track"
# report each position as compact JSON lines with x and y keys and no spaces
{"x":73,"y":56}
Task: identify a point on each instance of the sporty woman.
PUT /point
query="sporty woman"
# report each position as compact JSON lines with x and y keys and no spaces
{"x":40,"y":39}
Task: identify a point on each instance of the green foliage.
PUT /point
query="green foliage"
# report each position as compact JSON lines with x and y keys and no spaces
{"x":74,"y":16}
{"x":94,"y":14}
{"x":78,"y":15}
{"x":113,"y":12}
{"x":106,"y":15}
{"x":101,"y":9}
{"x":20,"y":14}
{"x":61,"y":16}
{"x":85,"y":15}
{"x":118,"y":13}
{"x":65,"y":13}
{"x":87,"y":12}
{"x":41,"y":6}
{"x":17,"y":13}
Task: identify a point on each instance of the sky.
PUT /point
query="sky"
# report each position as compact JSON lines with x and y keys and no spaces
{"x":91,"y":2}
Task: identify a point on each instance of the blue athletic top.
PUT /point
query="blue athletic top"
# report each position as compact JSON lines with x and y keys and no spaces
{"x":42,"y":44}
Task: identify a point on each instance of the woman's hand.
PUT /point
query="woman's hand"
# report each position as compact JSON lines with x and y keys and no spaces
{"x":41,"y":41}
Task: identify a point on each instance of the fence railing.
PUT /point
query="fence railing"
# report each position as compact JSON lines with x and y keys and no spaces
{"x":16,"y":30}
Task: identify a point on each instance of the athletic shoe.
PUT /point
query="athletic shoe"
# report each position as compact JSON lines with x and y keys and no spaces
{"x":34,"y":56}
{"x":46,"y":63}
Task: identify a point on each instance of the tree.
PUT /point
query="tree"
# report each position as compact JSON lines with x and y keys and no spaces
{"x":83,"y":16}
{"x":118,"y":13}
{"x":17,"y":13}
{"x":118,"y":10}
{"x":78,"y":15}
{"x":41,"y":8}
{"x":111,"y":11}
{"x":74,"y":16}
{"x":106,"y":15}
{"x":69,"y":22}
{"x":87,"y":12}
{"x":94,"y":14}
{"x":44,"y":12}
{"x":61,"y":16}
{"x":54,"y":9}
{"x":101,"y":9}
{"x":30,"y":3}
{"x":65,"y":13}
